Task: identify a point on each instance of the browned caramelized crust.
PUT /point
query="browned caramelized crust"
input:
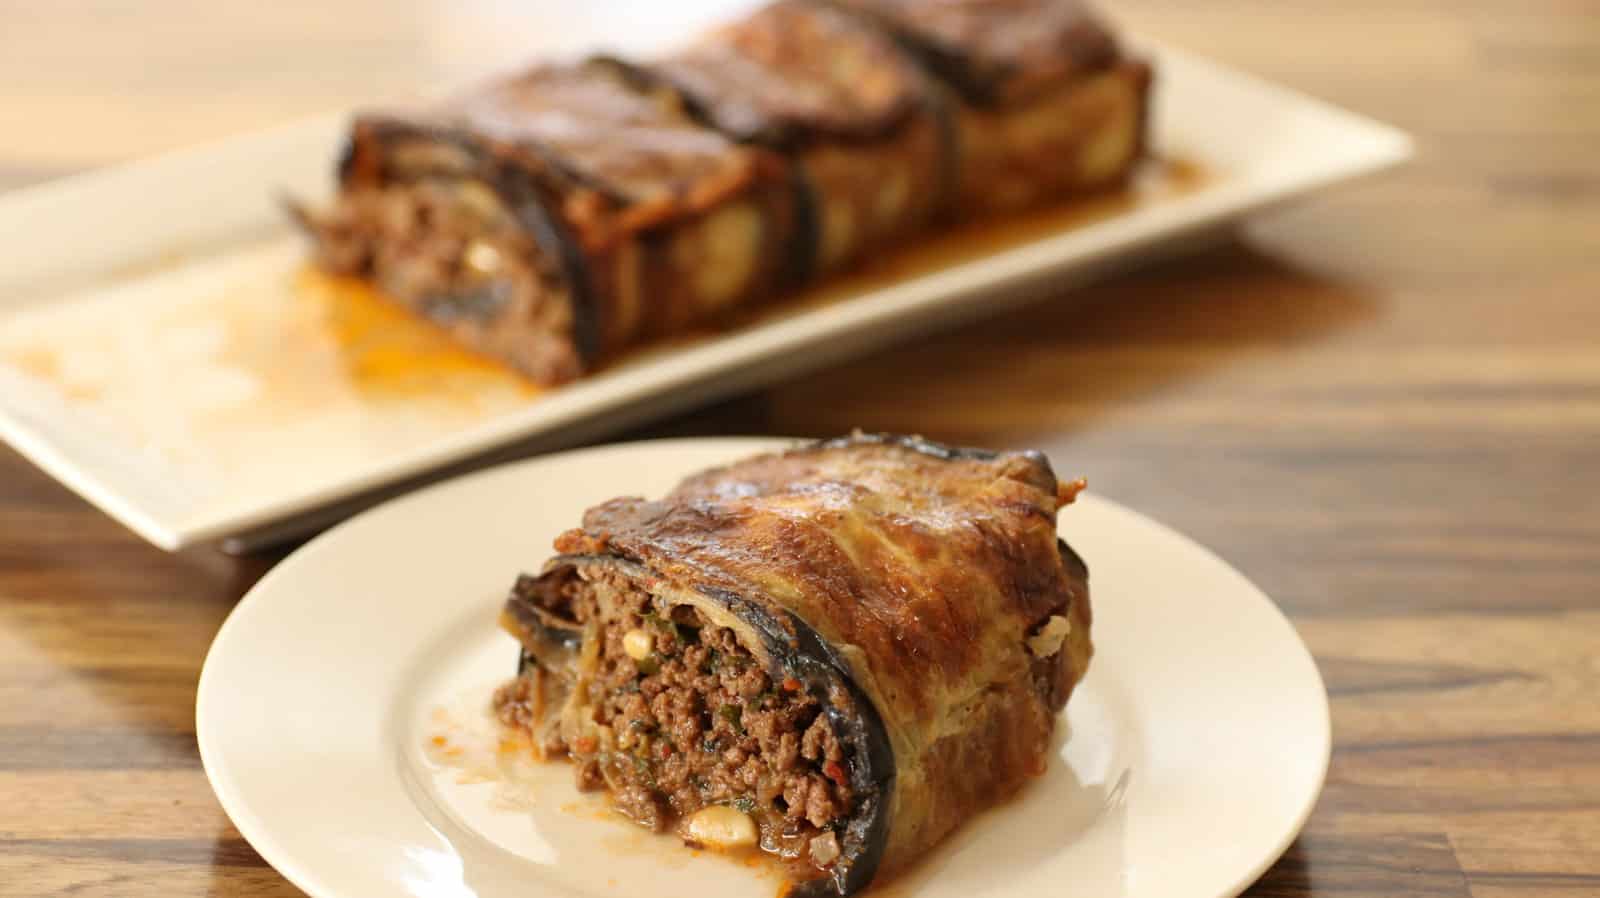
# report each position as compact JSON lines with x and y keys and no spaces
{"x":860,"y":118}
{"x":1079,"y":137}
{"x":795,"y":71}
{"x":907,"y":556}
{"x":1050,"y":106}
{"x":999,"y":50}
{"x":901,"y":614}
{"x":634,"y":145}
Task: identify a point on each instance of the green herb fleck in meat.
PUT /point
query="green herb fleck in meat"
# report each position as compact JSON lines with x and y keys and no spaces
{"x":664,"y":624}
{"x":646,"y":774}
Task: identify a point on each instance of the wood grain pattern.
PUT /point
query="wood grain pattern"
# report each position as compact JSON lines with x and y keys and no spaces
{"x":1382,"y":405}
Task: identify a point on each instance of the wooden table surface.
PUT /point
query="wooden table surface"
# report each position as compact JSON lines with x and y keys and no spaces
{"x":1382,"y":405}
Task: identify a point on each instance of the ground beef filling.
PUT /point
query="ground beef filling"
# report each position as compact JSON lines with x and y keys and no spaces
{"x":451,"y":250}
{"x":687,"y":718}
{"x":448,"y":246}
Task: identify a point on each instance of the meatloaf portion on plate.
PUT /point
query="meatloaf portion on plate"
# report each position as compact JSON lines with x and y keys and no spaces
{"x":836,"y":654}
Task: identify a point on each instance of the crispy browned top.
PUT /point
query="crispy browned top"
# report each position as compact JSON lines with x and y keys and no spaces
{"x":932,"y":567}
{"x":1002,"y":49}
{"x":634,"y":142}
{"x":794,"y":69}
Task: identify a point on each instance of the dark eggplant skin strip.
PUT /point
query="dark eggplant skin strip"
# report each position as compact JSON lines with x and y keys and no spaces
{"x":943,"y":110}
{"x":647,"y":540}
{"x":526,"y":661}
{"x":1076,"y":567}
{"x":800,"y":652}
{"x":547,"y":231}
{"x":801,"y":266}
{"x":526,"y":616}
{"x":541,"y":645}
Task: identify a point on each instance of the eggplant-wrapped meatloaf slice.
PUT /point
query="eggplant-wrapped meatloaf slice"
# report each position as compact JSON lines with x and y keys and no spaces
{"x":552,"y":217}
{"x":1049,"y":102}
{"x":555,"y":217}
{"x":864,"y":123}
{"x":838,"y":653}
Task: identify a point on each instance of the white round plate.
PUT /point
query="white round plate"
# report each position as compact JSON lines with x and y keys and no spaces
{"x":341,"y":716}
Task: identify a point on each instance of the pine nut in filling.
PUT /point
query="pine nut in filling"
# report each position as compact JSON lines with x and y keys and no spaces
{"x":719,"y":826}
{"x":638,"y":644}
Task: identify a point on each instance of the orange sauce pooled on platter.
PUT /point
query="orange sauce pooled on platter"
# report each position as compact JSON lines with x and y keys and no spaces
{"x":383,"y":346}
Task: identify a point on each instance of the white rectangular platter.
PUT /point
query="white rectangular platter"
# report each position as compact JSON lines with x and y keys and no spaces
{"x":163,"y":354}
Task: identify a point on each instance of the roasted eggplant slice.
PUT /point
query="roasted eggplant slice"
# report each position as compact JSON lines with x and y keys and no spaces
{"x":837,"y":653}
{"x":860,"y":117}
{"x":1049,"y":103}
{"x":556,"y":216}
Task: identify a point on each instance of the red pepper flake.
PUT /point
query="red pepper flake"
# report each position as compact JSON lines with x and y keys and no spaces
{"x":1066,"y":491}
{"x":584,"y":745}
{"x":790,"y":684}
{"x":666,"y":750}
{"x":834,"y":772}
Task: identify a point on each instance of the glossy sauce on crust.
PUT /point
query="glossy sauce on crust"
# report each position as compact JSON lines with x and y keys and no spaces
{"x":930,"y":577}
